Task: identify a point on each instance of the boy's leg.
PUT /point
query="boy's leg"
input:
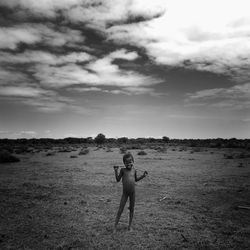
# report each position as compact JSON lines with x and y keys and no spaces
{"x":131,"y":209}
{"x":120,"y":210}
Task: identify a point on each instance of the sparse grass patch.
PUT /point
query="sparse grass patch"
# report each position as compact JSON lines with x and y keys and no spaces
{"x":237,"y":156}
{"x":197,"y":150}
{"x":187,"y":202}
{"x":51,"y":153}
{"x":7,"y":148}
{"x":21,"y":150}
{"x":242,"y":156}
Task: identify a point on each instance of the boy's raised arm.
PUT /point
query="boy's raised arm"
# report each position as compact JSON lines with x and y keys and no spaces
{"x":118,"y":176}
{"x":141,"y":177}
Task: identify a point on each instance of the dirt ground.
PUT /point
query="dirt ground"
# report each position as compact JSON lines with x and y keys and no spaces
{"x":59,"y":202}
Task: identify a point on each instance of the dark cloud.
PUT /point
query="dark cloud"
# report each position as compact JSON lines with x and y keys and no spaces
{"x":133,"y":19}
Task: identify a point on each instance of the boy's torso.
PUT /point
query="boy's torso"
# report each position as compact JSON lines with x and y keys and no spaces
{"x":128,"y":180}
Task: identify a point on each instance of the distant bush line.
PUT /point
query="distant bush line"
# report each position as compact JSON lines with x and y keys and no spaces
{"x":100,"y":139}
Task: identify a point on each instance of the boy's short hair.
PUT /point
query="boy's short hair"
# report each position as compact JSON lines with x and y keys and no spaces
{"x":128,"y":155}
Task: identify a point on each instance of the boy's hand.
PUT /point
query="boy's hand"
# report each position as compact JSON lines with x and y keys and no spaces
{"x":145,"y":173}
{"x":116,"y":167}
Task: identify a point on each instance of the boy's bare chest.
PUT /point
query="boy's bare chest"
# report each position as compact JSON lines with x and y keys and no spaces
{"x":129,"y":174}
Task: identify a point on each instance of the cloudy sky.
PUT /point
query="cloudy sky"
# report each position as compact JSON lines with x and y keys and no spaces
{"x":135,"y":68}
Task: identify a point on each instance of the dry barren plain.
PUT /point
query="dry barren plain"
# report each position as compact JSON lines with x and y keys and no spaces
{"x":191,"y":199}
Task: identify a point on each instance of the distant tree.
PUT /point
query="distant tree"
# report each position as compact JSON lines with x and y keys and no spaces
{"x":165,"y":139}
{"x":151,"y":139}
{"x":122,"y":140}
{"x":141,"y":140}
{"x":100,"y":139}
{"x":110,"y":140}
{"x":89,"y":140}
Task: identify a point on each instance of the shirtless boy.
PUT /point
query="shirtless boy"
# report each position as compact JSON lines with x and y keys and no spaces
{"x":129,"y":177}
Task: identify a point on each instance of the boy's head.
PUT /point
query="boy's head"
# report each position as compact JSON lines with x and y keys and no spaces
{"x":128,"y":160}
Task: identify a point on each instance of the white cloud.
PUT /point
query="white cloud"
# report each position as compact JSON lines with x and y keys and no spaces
{"x":101,"y":72}
{"x":120,"y":90}
{"x":237,"y":91}
{"x":42,"y":7}
{"x":141,"y":91}
{"x":29,"y":33}
{"x":4,"y":132}
{"x":41,"y":99}
{"x":22,"y":134}
{"x":30,"y":133}
{"x":58,"y":71}
{"x":236,"y":97}
{"x":201,"y":35}
{"x":95,"y":13}
{"x":87,"y":89}
{"x":10,"y":77}
{"x":10,"y":37}
{"x":22,"y":91}
{"x":74,"y":135}
{"x":195,"y":31}
{"x":42,"y":57}
{"x":123,"y":54}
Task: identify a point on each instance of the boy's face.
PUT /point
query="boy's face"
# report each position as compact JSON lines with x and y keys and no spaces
{"x":128,"y":162}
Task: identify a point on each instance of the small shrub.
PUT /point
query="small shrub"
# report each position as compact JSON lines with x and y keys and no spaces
{"x":240,"y":165}
{"x":161,"y":149}
{"x":228,"y":156}
{"x":73,"y":156}
{"x":134,"y":146}
{"x":142,"y":153}
{"x":6,"y":157}
{"x":123,"y":150}
{"x":183,"y":149}
{"x":84,"y":151}
{"x":65,"y":150}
